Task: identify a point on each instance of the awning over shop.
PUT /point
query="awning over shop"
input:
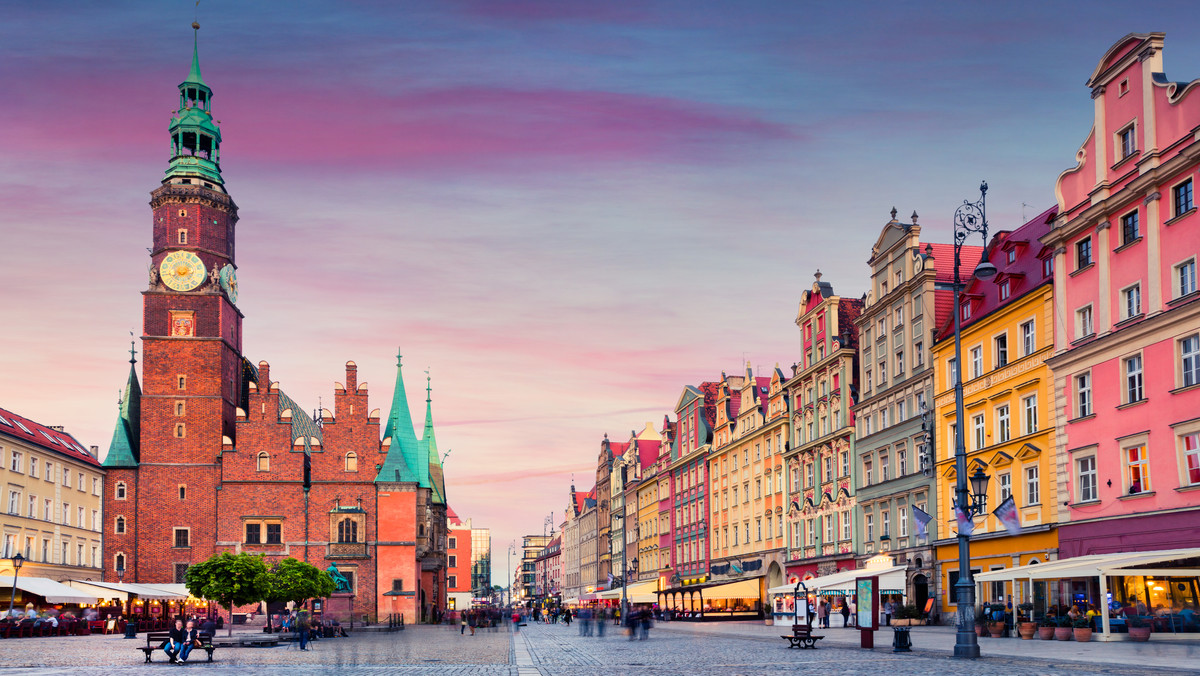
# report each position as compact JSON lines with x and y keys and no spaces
{"x":638,"y":592}
{"x":1095,"y":565}
{"x":126,"y":590}
{"x":54,"y":592}
{"x":891,"y":581}
{"x":742,"y":589}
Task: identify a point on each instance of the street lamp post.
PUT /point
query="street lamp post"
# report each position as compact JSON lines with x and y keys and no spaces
{"x":549,"y":521}
{"x":512,"y":548}
{"x":17,"y":561}
{"x":969,"y":218}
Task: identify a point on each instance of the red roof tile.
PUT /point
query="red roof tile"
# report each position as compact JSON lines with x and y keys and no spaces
{"x":647,"y":451}
{"x":1023,"y":274}
{"x":40,"y":435}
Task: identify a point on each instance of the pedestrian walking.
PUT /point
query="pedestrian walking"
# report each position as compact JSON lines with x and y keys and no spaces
{"x":853,"y":612}
{"x":646,"y":618}
{"x":462,"y":620}
{"x":888,"y":609}
{"x":845,"y":614}
{"x":821,"y":613}
{"x":601,"y":621}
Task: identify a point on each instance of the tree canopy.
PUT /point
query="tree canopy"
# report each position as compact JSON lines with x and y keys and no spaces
{"x":229,"y":579}
{"x":295,"y":581}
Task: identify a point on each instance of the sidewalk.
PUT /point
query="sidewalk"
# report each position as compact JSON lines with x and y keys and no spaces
{"x":939,"y":640}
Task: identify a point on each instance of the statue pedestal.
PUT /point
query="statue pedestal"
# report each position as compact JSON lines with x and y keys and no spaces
{"x":341,"y":606}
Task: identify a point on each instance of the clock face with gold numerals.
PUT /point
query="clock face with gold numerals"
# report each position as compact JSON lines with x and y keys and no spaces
{"x":182,"y":271}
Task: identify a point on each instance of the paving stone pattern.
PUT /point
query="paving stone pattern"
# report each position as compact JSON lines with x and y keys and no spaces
{"x":544,"y":650}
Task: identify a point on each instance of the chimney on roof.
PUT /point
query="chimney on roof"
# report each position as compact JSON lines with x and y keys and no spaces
{"x":56,"y":428}
{"x":351,"y":376}
{"x":95,"y":451}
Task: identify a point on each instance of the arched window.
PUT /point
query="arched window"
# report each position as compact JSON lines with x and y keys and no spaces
{"x":119,"y":526}
{"x":264,"y":462}
{"x":180,"y":431}
{"x":120,"y":490}
{"x":351,"y":462}
{"x":119,"y":562}
{"x":347,"y":530}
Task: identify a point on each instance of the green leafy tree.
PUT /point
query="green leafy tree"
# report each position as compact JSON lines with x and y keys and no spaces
{"x":229,"y":579}
{"x":295,"y":581}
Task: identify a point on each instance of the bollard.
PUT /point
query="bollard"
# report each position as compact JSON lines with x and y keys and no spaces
{"x":131,"y":630}
{"x":901,"y":642}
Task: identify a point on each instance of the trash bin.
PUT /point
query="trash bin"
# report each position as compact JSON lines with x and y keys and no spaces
{"x":901,"y":641}
{"x":131,"y":629}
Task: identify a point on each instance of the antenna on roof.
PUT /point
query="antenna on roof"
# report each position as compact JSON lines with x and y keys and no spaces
{"x":1023,"y":205}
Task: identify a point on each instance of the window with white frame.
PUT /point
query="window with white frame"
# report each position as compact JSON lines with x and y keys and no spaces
{"x":17,"y":463}
{"x":1190,"y":460}
{"x":33,"y":467}
{"x":1033,"y":495}
{"x":869,"y":526}
{"x":1003,"y":424}
{"x":899,"y":362}
{"x":1185,"y":278}
{"x":1004,"y":482}
{"x":844,"y":519}
{"x":902,"y":519}
{"x":1001,"y":348}
{"x":1189,"y":360}
{"x":884,"y":467}
{"x":901,"y":462}
{"x":809,"y":532}
{"x":1006,"y":286}
{"x":976,"y":361}
{"x":1029,"y":406}
{"x":1085,"y":478}
{"x":845,"y":463}
{"x":885,"y":523}
{"x":1083,"y":394}
{"x":1028,"y":338}
{"x":918,"y":355}
{"x":1084,"y":326}
{"x":1133,"y":378}
{"x":1137,"y":469}
{"x":1131,"y":301}
{"x":867,"y":478}
{"x":951,"y":372}
{"x":1128,"y":141}
{"x":978,"y":434}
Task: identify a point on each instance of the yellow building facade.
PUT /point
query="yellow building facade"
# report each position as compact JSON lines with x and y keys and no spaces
{"x":53,"y":493}
{"x":1009,"y":413}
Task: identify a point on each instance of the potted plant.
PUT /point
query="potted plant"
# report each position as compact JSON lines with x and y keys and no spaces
{"x":996,"y":624}
{"x":1139,"y":629}
{"x":1063,"y":629}
{"x":1083,"y":629}
{"x":1027,"y":627}
{"x":1046,"y":628}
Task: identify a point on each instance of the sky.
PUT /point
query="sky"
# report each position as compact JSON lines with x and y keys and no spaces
{"x":565,"y":211}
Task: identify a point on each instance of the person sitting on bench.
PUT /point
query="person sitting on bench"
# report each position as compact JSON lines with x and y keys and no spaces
{"x":179,"y":643}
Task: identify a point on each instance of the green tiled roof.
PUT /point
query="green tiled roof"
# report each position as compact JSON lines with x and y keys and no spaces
{"x":303,"y":426}
{"x":429,"y":452}
{"x":402,"y":454}
{"x":124,"y":449}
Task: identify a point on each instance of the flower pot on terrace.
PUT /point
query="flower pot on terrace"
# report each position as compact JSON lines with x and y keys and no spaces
{"x":1046,"y":633}
{"x":1083,"y":635}
{"x":1027,"y":630}
{"x":996,"y":629}
{"x":1062,"y":633}
{"x":1139,"y":634}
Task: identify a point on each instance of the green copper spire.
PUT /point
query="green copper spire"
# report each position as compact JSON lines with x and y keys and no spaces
{"x":195,"y":138}
{"x":402,"y":454}
{"x":194,"y":76}
{"x":124,"y":450}
{"x":429,"y":449}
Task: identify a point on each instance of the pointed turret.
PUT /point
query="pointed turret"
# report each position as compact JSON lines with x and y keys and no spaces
{"x":195,"y":138}
{"x":402,"y":453}
{"x":124,"y":450}
{"x":437,"y":480}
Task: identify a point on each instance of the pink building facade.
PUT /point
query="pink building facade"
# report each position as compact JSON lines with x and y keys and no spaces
{"x":1127,"y":329}
{"x":695,"y":413}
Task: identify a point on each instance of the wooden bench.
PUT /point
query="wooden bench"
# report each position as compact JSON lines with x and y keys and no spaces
{"x":802,"y":637}
{"x":155,"y":639}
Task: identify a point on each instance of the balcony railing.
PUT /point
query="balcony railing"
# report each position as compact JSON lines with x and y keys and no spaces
{"x":346,"y":550}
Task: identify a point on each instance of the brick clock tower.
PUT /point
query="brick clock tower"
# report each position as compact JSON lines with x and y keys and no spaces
{"x":210,"y":455}
{"x":192,"y":367}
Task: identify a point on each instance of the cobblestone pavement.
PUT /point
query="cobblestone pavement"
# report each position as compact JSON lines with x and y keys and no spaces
{"x":544,"y":650}
{"x":558,"y":650}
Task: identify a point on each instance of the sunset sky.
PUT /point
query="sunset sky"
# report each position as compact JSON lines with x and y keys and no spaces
{"x":566,"y":211}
